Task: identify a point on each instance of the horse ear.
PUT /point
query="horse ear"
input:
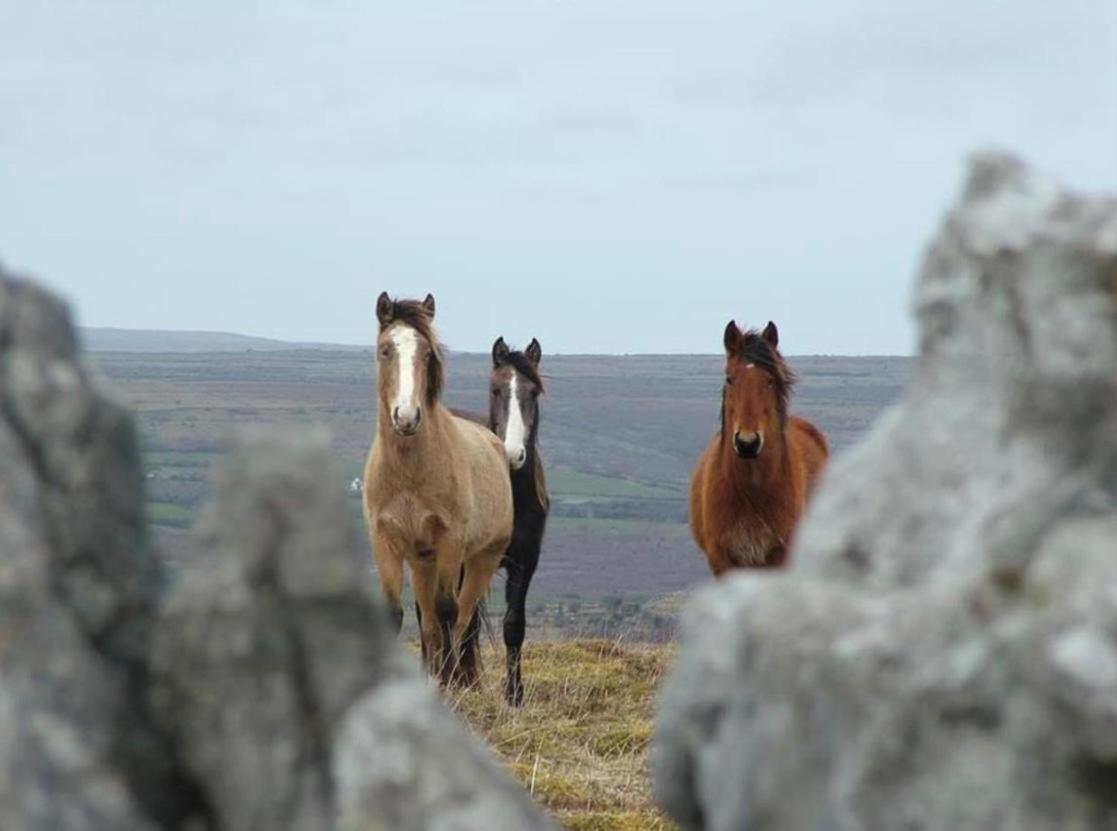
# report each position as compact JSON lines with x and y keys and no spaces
{"x":500,"y":351}
{"x":534,"y":352}
{"x":428,"y":305}
{"x":771,"y":334}
{"x":384,"y":308}
{"x":732,"y":337}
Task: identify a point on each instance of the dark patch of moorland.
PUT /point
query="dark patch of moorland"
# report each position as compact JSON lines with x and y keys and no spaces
{"x":620,"y":435}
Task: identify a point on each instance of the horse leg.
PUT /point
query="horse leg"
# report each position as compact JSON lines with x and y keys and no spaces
{"x":419,"y":620}
{"x":389,"y":568}
{"x":446,"y":607}
{"x":468,"y":662}
{"x":477,"y":575}
{"x":720,"y":560}
{"x":424,"y":580}
{"x":521,"y":563}
{"x":777,"y":557}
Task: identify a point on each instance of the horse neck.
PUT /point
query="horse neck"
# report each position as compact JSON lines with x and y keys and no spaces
{"x":760,"y":479}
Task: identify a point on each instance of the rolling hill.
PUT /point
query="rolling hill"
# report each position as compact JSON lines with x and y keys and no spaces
{"x":620,"y":435}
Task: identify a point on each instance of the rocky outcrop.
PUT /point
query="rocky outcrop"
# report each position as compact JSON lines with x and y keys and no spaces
{"x":943,"y":652}
{"x":283,"y":685}
{"x":76,"y":593}
{"x":265,"y":692}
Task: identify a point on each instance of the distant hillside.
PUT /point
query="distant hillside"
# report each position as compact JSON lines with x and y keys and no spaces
{"x":620,"y":435}
{"x":154,"y":340}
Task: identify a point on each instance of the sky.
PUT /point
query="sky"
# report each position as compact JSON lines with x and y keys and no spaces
{"x":606,"y":176}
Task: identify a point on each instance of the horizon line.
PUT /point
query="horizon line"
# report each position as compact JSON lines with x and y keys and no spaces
{"x":339,"y":346}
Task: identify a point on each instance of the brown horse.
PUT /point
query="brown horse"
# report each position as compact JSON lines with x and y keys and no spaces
{"x":437,"y":494}
{"x":753,"y":480}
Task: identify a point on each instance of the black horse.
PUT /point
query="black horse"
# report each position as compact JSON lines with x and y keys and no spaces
{"x":515,"y":387}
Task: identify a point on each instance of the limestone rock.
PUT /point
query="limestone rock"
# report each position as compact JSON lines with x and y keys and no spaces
{"x":76,"y":585}
{"x":264,"y":692}
{"x":943,"y":652}
{"x":282,"y":681}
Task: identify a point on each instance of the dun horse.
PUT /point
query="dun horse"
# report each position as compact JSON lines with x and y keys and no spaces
{"x":436,"y":491}
{"x":752,"y":482}
{"x":515,"y":387}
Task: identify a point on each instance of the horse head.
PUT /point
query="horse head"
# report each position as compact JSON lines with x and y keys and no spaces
{"x":409,"y":361}
{"x":515,"y":387}
{"x":757,"y":387}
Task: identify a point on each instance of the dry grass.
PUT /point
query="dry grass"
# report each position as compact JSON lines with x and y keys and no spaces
{"x":580,"y":742}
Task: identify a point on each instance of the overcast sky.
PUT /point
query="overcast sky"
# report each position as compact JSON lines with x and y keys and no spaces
{"x":605,"y":176}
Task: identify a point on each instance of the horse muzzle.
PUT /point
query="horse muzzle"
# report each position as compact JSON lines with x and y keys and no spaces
{"x":406,"y":425}
{"x":516,"y":457}
{"x":748,"y":448}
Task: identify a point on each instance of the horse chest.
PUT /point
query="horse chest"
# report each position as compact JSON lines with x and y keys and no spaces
{"x":413,"y":521}
{"x":750,"y":541}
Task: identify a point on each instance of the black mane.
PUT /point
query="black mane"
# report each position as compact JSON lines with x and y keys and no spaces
{"x":523,"y":365}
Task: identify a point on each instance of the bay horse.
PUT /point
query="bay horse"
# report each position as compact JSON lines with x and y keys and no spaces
{"x":514,"y":389}
{"x":753,"y":480}
{"x":437,"y":492}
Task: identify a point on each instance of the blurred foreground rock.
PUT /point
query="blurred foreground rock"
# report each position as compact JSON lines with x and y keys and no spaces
{"x":264,"y":694}
{"x":943,"y":652}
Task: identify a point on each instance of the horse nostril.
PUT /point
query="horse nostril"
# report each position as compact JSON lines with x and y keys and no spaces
{"x":748,"y":448}
{"x":521,"y":457}
{"x":406,"y":423}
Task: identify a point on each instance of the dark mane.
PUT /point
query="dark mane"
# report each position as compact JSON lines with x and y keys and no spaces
{"x":523,"y":365}
{"x":412,"y":313}
{"x":755,"y":350}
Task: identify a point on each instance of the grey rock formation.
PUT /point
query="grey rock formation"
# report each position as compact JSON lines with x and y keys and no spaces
{"x":943,"y":652}
{"x":264,"y":693}
{"x":75,"y":585}
{"x":282,"y":683}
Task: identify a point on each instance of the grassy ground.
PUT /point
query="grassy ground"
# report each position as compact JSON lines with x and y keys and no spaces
{"x":580,"y":742}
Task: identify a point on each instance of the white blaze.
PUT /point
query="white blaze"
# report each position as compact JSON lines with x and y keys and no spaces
{"x":407,"y":344}
{"x":514,"y":432}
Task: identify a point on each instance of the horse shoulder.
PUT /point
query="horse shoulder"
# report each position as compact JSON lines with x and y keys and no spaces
{"x":699,"y":494}
{"x":811,"y":450}
{"x":490,"y":482}
{"x":372,"y":485}
{"x":812,"y":441}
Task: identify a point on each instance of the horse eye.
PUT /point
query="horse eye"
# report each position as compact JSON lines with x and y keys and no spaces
{"x":496,"y":392}
{"x":729,"y":379}
{"x":771,"y":382}
{"x":385,"y":351}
